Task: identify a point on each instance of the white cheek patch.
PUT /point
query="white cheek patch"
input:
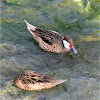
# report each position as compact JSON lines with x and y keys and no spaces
{"x":66,"y":44}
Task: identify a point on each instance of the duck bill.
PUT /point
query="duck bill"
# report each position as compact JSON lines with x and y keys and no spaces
{"x":74,"y":50}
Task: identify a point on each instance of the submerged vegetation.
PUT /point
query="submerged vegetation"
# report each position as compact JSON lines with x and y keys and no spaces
{"x":79,"y":19}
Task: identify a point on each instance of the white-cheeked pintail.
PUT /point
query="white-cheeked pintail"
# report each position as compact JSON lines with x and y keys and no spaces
{"x":32,"y":80}
{"x":50,"y":40}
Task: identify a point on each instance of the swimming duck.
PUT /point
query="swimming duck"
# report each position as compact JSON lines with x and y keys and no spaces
{"x":51,"y":40}
{"x":32,"y":80}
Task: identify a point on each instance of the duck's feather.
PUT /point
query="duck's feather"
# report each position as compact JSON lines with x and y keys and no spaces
{"x":31,"y":80}
{"x":33,"y":77}
{"x":50,"y":37}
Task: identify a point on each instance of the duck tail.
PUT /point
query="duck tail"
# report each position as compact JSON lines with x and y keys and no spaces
{"x":56,"y":82}
{"x":30,"y":27}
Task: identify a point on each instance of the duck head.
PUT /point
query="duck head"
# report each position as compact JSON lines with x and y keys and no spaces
{"x":68,"y":43}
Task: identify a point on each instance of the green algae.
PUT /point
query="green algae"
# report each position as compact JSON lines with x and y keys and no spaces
{"x":31,"y":96}
{"x":14,"y":1}
{"x":90,"y":38}
{"x":79,"y":19}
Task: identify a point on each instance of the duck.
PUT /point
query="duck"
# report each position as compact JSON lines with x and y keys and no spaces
{"x":34,"y":81}
{"x":51,"y":41}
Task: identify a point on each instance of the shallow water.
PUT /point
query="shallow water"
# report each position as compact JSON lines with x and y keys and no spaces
{"x":79,"y":19}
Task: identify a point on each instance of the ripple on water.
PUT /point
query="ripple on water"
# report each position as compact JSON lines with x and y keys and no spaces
{"x":19,"y":51}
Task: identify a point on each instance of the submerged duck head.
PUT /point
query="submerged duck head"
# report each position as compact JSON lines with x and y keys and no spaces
{"x":50,"y":40}
{"x":68,"y":43}
{"x":32,"y":80}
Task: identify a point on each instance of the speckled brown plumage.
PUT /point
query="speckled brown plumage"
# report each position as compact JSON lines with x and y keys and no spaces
{"x":32,"y":80}
{"x":50,"y":40}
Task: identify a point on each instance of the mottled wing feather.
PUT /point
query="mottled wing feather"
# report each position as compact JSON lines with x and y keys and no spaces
{"x":46,"y":40}
{"x":32,"y":77}
{"x":49,"y":37}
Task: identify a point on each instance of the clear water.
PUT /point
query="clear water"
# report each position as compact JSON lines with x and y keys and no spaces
{"x":79,"y":19}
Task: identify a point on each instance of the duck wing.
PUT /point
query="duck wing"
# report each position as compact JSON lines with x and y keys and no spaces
{"x":50,"y":37}
{"x":31,"y":80}
{"x":34,"y":77}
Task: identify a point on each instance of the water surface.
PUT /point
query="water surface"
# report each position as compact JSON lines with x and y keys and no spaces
{"x":79,"y":19}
